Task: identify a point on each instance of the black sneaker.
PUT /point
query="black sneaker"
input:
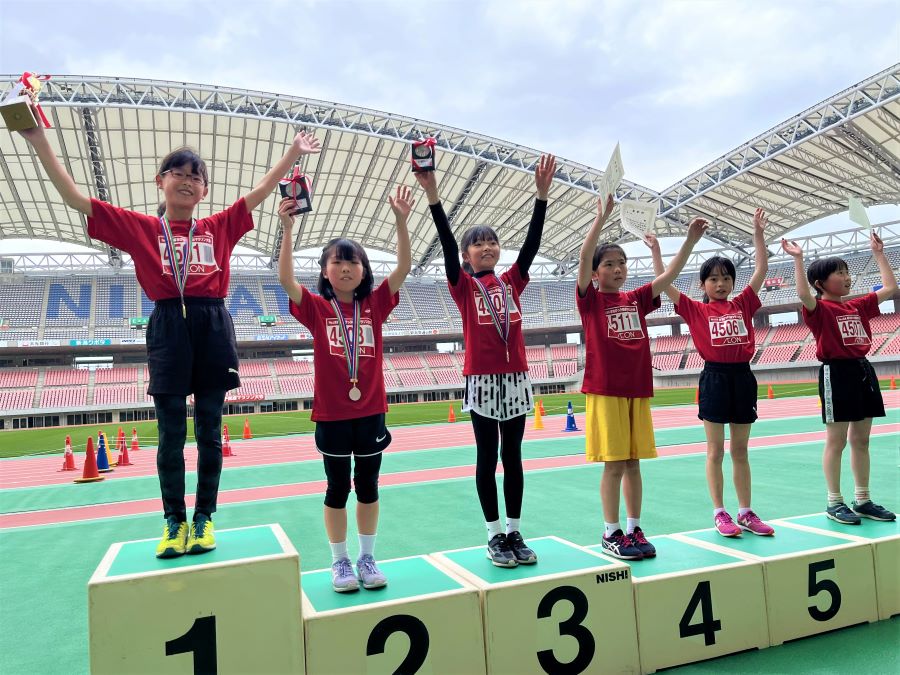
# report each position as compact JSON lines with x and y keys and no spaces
{"x":872,"y":510}
{"x":499,"y":552}
{"x":841,"y":513}
{"x":619,"y":545}
{"x":640,"y":542}
{"x":524,"y":555}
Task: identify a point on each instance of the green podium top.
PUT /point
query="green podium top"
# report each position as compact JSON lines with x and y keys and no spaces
{"x":867,"y":529}
{"x":785,"y":542}
{"x":675,"y":556}
{"x":139,"y":557}
{"x":554,"y":557}
{"x":407,"y":578}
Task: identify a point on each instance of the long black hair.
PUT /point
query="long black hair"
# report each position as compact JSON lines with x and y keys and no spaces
{"x":177,"y":158}
{"x":345,"y":249}
{"x":472,"y":236}
{"x":719,"y":264}
{"x":820,"y":270}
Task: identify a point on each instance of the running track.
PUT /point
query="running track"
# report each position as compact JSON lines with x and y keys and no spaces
{"x":42,"y":471}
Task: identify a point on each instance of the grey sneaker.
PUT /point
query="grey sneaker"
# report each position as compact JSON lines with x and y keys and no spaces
{"x":872,"y":510}
{"x":369,"y":574}
{"x":342,"y":578}
{"x":841,"y":513}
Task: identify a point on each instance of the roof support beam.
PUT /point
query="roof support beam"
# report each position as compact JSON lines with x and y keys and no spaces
{"x":92,"y":138}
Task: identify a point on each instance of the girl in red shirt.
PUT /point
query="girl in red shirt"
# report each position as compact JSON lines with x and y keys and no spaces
{"x":349,"y":404}
{"x":722,"y":330}
{"x":182,"y":263}
{"x":848,"y":385}
{"x":498,"y":391}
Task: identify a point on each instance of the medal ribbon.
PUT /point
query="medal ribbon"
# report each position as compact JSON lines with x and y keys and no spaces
{"x":501,"y":326}
{"x":179,"y":273}
{"x":351,"y":348}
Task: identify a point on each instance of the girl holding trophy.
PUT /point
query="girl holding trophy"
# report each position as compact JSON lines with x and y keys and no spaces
{"x":345,"y":320}
{"x":498,"y":391}
{"x":182,"y":263}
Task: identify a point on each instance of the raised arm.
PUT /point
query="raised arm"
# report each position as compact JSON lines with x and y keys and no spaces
{"x":401,"y":205}
{"x":888,"y":280}
{"x":761,"y":253}
{"x":586,"y":255}
{"x":286,"y":257}
{"x":62,"y":181}
{"x":658,"y":268}
{"x":428,"y":181}
{"x":803,"y":292}
{"x":543,"y":177}
{"x":695,"y":233}
{"x":304,"y":144}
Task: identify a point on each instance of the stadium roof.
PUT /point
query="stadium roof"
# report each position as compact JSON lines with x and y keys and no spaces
{"x":112,"y":132}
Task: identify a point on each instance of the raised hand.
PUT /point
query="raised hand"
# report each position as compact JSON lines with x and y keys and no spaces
{"x":306,"y":143}
{"x":602,"y":213}
{"x":760,"y":220}
{"x":697,"y":228}
{"x":428,"y":181}
{"x":876,"y":243}
{"x":285,"y":212}
{"x":651,"y":242}
{"x":36,"y":132}
{"x":402,"y":203}
{"x":792,"y":248}
{"x":543,"y":175}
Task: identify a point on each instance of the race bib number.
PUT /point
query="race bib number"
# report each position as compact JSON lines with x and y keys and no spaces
{"x":496,"y":296}
{"x":203,"y":258}
{"x":852,"y":330}
{"x":728,"y":330}
{"x":624,"y":323}
{"x":365,"y":337}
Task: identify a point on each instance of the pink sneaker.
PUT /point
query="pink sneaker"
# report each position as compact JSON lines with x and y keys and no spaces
{"x":751,"y":522}
{"x":725,"y":525}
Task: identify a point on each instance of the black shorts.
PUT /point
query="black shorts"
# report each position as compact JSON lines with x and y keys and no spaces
{"x":849,"y":391}
{"x":727,"y":393}
{"x":361,"y":437}
{"x":197,"y":353}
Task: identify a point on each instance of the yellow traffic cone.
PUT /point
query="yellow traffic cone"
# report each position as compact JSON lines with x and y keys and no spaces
{"x":538,"y":419}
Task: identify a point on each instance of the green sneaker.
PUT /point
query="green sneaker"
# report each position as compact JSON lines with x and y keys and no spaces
{"x":202,"y":537}
{"x":172,"y":543}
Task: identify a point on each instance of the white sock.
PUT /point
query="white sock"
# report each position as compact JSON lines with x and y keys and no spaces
{"x":512,"y":525}
{"x":631,"y":523}
{"x":743,"y":511}
{"x":835,"y":498}
{"x":338,"y":551}
{"x":862,"y":495}
{"x":494,"y":528}
{"x":366,"y":544}
{"x":611,"y":527}
{"x":718,"y":511}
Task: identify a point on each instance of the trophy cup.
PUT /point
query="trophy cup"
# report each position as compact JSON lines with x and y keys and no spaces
{"x":423,"y":155}
{"x":16,"y":107}
{"x":299,"y":188}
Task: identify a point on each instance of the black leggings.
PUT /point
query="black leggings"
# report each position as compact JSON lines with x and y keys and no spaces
{"x":365,"y":479}
{"x":171,"y":417}
{"x":488,"y":432}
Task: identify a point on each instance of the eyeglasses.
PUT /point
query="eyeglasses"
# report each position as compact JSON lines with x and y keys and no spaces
{"x":181,"y":175}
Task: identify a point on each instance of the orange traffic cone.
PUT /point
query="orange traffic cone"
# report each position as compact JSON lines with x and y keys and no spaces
{"x":226,"y":443}
{"x":538,"y":419}
{"x":247,"y":433}
{"x":770,"y":393}
{"x":451,"y":417}
{"x":541,"y":407}
{"x":134,"y":440}
{"x":697,"y":395}
{"x":893,"y":383}
{"x":69,"y":458}
{"x":123,"y":459}
{"x":91,"y":474}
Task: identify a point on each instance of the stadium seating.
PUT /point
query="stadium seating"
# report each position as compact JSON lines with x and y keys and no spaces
{"x":563,"y":352}
{"x":111,"y":375}
{"x":17,"y":399}
{"x":789,"y":333}
{"x":694,"y":361}
{"x":115,"y":395}
{"x":289,"y":367}
{"x":64,"y":397}
{"x":666,"y":361}
{"x":564,"y":368}
{"x":57,"y":377}
{"x":439,"y":360}
{"x":415,"y":378}
{"x":539,"y":370}
{"x":408,"y":361}
{"x":297,"y":385}
{"x":777,"y":354}
{"x":10,"y":379}
{"x":448,"y":376}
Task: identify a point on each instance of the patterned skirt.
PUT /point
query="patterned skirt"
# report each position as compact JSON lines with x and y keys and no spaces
{"x":500,"y":396}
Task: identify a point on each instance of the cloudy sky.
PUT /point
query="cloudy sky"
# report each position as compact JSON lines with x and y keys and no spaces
{"x":678,"y":83}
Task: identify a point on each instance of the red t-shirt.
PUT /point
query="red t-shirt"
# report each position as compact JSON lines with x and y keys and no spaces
{"x":842,"y":329}
{"x":331,"y":382}
{"x":617,"y":350}
{"x":141,"y":237}
{"x":485,"y":350}
{"x":722,"y":329}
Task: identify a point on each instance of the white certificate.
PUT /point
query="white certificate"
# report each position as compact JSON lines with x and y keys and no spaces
{"x":639,"y":218}
{"x":858,"y":212}
{"x":612,"y":176}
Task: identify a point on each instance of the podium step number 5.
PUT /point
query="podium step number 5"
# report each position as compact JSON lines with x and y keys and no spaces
{"x":200,"y":641}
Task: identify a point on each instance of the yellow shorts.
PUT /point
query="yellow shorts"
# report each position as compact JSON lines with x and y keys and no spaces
{"x":618,"y":428}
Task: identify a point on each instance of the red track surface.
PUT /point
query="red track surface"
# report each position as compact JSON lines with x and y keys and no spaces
{"x":31,"y":472}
